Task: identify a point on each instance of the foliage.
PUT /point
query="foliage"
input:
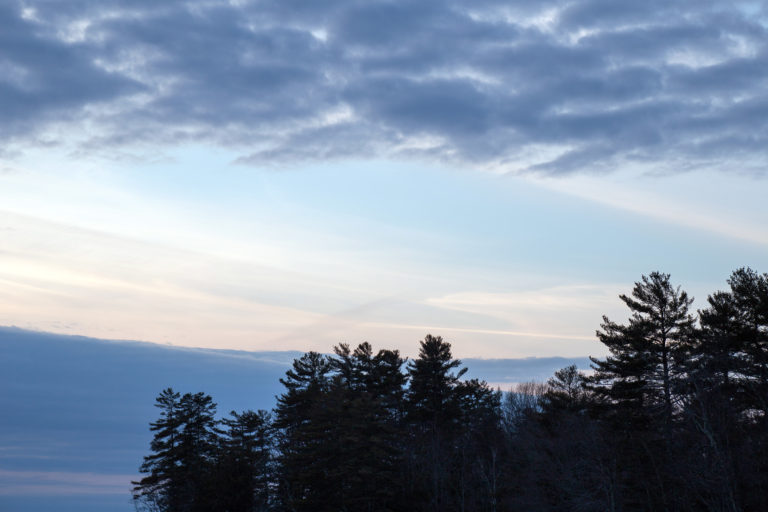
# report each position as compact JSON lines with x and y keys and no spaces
{"x":675,"y":418}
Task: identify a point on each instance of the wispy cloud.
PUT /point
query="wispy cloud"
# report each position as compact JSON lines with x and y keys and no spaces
{"x":47,"y":276}
{"x":551,"y":87}
{"x":500,"y":332}
{"x":714,"y":203}
{"x":58,"y":483}
{"x":555,"y":298}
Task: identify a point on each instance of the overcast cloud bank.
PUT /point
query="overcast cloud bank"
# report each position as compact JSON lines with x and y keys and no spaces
{"x":547,"y":86}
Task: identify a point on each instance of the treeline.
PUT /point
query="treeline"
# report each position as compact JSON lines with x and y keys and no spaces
{"x":675,"y":418}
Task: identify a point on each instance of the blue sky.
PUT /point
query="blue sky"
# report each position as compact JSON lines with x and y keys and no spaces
{"x":287,"y":175}
{"x":215,"y":255}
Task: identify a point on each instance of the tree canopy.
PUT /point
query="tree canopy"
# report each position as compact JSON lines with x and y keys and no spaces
{"x":674,"y":418}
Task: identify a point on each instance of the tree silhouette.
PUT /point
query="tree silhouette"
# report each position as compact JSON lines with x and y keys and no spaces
{"x":245,"y":462}
{"x":162,"y":489}
{"x":675,"y":418}
{"x":301,"y":420}
{"x":180,"y":469}
{"x":432,"y":408}
{"x":643,"y":372}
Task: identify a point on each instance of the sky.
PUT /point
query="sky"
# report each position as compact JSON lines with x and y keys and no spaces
{"x":286,"y":175}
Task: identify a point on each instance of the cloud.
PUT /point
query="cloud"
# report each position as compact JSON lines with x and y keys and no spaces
{"x":61,"y":483}
{"x":504,"y":372}
{"x":550,"y":87}
{"x":45,"y":79}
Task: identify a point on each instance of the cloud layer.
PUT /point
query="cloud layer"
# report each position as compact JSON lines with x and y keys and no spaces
{"x":546,"y":86}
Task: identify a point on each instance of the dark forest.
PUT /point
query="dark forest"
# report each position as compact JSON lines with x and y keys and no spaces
{"x":675,"y":418}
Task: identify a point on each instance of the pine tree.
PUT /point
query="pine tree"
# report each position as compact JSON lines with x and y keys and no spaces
{"x":199,"y":442}
{"x":479,"y":448}
{"x":729,"y":394}
{"x":432,"y":414}
{"x":565,"y":392}
{"x":161,"y":489}
{"x":368,"y":392}
{"x":644,"y":371}
{"x":431,"y":395}
{"x":641,"y":388}
{"x":719,"y":354}
{"x":302,"y":421}
{"x":180,"y":469}
{"x":245,"y":462}
{"x":749,"y":296}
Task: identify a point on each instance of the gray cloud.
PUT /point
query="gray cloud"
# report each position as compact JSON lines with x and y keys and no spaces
{"x":546,"y":86}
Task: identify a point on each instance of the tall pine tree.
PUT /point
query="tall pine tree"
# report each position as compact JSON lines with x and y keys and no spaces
{"x":433,"y":412}
{"x":245,"y":462}
{"x":643,"y":373}
{"x":180,"y":469}
{"x":162,"y":489}
{"x":303,"y":421}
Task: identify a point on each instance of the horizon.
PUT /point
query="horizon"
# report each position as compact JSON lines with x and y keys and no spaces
{"x":275,"y":176}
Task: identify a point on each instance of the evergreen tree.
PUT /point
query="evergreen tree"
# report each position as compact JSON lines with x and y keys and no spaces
{"x":479,"y":447}
{"x":646,"y":367}
{"x":565,"y":392}
{"x":387,"y":384}
{"x":716,"y":395}
{"x":432,"y":414}
{"x":245,"y":462}
{"x":729,"y":395}
{"x":198,"y":446}
{"x":749,"y":296}
{"x":719,"y":353}
{"x":673,"y":419}
{"x":161,"y":489}
{"x":180,"y":469}
{"x":370,"y":426}
{"x":431,"y":396}
{"x":302,"y":421}
{"x":641,"y":388}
